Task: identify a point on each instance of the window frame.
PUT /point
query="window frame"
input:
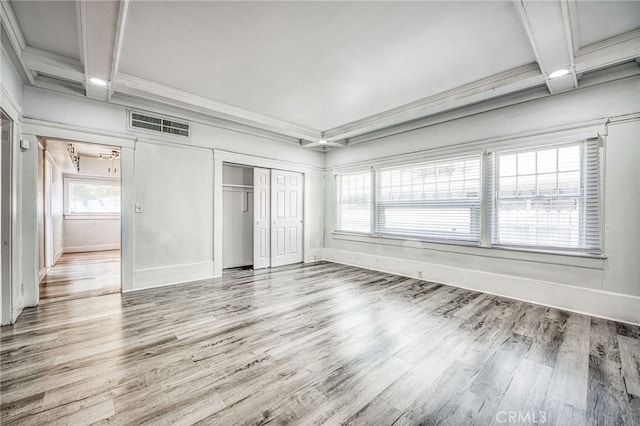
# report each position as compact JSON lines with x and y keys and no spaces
{"x":451,"y":203}
{"x":67,"y":180}
{"x":586,"y":168}
{"x":487,"y":197}
{"x":336,"y":200}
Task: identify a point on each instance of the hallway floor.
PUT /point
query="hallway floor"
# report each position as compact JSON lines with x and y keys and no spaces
{"x":80,"y":275}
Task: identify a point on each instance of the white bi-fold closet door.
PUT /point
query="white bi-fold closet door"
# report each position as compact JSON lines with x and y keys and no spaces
{"x":278,"y":197}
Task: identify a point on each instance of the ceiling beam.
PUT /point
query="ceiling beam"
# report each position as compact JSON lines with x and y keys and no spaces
{"x":515,"y":80}
{"x":119,"y":40}
{"x":134,"y":86}
{"x":53,"y":64}
{"x":81,"y":27}
{"x":545,"y":24}
{"x":16,"y":38}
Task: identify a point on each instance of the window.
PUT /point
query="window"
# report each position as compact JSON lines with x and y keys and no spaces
{"x":435,"y":200}
{"x":544,"y":198}
{"x":353,"y":212}
{"x":90,"y":197}
{"x":548,"y":197}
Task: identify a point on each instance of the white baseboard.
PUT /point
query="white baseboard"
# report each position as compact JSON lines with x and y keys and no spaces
{"x":173,"y":274}
{"x":57,"y":256}
{"x":597,"y":303}
{"x":99,"y":247}
{"x":314,"y":255}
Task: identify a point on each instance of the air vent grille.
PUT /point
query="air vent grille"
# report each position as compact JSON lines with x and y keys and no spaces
{"x":159,"y":124}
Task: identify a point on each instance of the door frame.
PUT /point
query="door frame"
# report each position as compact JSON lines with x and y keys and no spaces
{"x":219,"y":158}
{"x":8,"y":205}
{"x":31,"y":131}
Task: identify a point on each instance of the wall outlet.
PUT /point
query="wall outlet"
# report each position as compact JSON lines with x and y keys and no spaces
{"x":315,"y":257}
{"x":139,"y":207}
{"x":419,"y":274}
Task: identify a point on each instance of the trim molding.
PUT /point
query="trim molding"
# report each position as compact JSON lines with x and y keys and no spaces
{"x":50,"y":129}
{"x":99,"y":247}
{"x":173,"y":274}
{"x":135,"y":86}
{"x":597,"y":303}
{"x":10,"y":106}
{"x":16,"y":38}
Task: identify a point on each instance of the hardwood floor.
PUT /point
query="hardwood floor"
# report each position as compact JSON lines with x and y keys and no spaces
{"x":80,"y":275}
{"x":316,"y":344}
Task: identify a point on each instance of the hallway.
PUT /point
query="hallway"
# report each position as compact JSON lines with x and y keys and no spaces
{"x":81,"y":275}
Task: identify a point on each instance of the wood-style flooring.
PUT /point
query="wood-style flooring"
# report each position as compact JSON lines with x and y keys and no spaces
{"x":316,"y":344}
{"x":80,"y":275}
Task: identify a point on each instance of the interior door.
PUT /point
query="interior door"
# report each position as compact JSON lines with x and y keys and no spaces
{"x":286,"y":217}
{"x":261,"y":218}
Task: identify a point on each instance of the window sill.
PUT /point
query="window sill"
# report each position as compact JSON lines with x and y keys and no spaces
{"x":579,"y":260}
{"x":99,"y":216}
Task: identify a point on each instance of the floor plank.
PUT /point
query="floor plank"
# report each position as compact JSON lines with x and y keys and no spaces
{"x":80,"y":275}
{"x":316,"y":344}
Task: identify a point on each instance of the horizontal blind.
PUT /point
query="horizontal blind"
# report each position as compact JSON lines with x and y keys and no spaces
{"x":353,"y":202}
{"x":548,"y":197}
{"x":433,"y":200}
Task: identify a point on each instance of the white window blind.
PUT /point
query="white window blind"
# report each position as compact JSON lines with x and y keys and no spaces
{"x":434,"y":200}
{"x":548,"y":197}
{"x":353,"y":212}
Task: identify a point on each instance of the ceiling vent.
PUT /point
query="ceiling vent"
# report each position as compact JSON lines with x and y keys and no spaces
{"x":159,"y":124}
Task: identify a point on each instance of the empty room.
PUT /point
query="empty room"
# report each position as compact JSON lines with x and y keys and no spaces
{"x":316,"y":212}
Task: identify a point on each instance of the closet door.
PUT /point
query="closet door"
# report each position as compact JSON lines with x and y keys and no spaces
{"x":261,"y":218}
{"x":286,"y":217}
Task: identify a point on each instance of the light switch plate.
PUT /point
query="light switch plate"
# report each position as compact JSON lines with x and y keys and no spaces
{"x":139,"y":208}
{"x":24,"y":143}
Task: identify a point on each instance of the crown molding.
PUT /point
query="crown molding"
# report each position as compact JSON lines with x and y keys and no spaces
{"x":135,"y":86}
{"x":518,"y":79}
{"x":16,"y":38}
{"x":53,"y":64}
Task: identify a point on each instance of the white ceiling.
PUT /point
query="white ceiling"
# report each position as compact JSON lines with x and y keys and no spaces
{"x":312,"y":70}
{"x":321,"y":64}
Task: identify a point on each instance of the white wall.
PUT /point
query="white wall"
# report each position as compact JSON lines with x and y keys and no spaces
{"x":174,"y":234}
{"x":608,"y":288}
{"x":173,"y":237}
{"x":91,"y":234}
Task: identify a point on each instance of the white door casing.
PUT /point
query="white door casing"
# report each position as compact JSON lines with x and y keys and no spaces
{"x":286,"y":217}
{"x":261,"y":218}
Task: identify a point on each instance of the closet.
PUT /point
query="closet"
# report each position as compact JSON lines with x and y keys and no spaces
{"x":237,"y":213}
{"x":262,"y":217}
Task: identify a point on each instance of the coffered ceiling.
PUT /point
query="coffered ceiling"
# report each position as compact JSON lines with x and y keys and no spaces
{"x":316,"y":70}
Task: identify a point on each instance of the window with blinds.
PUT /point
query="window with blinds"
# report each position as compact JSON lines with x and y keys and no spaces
{"x":353,"y":212}
{"x":543,"y":198}
{"x":548,"y":197}
{"x":434,"y":200}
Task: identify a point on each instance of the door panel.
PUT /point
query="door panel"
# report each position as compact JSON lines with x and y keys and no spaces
{"x":286,"y":225}
{"x":262,"y":218}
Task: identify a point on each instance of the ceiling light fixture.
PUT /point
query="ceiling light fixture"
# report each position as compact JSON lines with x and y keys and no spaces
{"x":98,"y":81}
{"x":323,"y":141}
{"x":559,"y":73}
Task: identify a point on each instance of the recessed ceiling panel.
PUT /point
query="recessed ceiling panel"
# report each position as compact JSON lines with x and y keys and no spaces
{"x":602,"y":20}
{"x":49,"y":25}
{"x":321,"y":64}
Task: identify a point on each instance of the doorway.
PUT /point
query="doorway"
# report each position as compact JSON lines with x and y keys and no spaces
{"x":262,"y":217}
{"x":78,"y":220}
